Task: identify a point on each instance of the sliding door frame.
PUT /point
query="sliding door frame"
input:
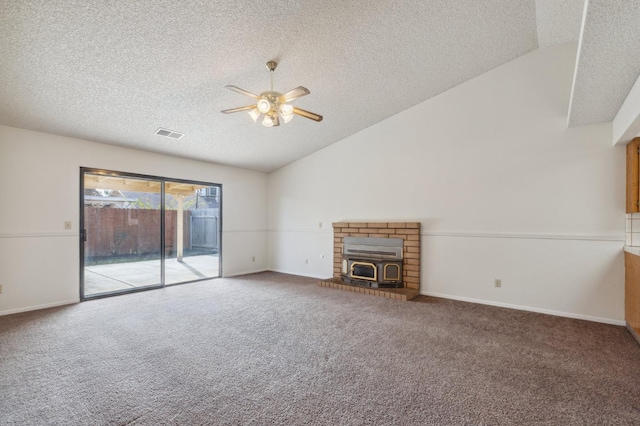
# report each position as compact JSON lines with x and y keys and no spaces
{"x":163,"y":181}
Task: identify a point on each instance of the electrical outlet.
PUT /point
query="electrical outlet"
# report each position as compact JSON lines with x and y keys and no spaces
{"x":306,"y":261}
{"x":319,"y":224}
{"x":498,"y":282}
{"x":67,"y":224}
{"x":253,"y":258}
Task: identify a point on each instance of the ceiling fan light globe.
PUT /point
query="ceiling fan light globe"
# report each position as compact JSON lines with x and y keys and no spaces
{"x":267,"y":122}
{"x":286,"y":117}
{"x":254,"y":114}
{"x":286,"y":109}
{"x":263,"y":105}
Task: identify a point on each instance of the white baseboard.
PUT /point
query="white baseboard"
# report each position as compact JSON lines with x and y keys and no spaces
{"x":298,"y":273}
{"x":235,"y":274}
{"x":37,"y":307}
{"x":526,"y":308}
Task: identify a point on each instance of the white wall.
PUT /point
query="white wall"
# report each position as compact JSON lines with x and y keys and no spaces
{"x":503,"y":190}
{"x":39,"y":190}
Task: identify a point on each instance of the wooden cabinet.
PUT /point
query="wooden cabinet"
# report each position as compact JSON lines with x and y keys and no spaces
{"x":632,"y":293}
{"x":633,"y":176}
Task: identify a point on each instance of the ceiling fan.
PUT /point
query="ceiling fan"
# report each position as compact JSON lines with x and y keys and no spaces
{"x":273,"y":104}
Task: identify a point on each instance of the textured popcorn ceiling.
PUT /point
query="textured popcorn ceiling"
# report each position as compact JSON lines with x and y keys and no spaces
{"x":608,"y":60}
{"x":114,"y":72}
{"x":558,"y":21}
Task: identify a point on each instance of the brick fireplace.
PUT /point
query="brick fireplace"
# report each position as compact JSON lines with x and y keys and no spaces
{"x":409,"y":232}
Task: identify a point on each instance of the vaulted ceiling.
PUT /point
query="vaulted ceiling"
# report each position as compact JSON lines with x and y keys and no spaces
{"x":115,"y":72}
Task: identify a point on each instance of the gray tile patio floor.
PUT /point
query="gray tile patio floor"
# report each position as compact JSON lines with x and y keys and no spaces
{"x":121,"y":276}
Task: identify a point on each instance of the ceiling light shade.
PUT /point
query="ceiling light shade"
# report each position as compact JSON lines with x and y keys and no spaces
{"x":255,"y":114}
{"x":263,"y":105}
{"x":267,"y":122}
{"x":286,"y":111}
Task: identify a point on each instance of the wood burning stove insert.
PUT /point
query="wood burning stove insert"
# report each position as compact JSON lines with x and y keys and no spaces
{"x":372,"y":262}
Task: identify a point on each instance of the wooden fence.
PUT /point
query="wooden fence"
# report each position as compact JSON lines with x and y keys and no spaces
{"x":119,"y":232}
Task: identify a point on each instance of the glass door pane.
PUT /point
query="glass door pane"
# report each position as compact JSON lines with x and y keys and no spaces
{"x":122,"y":233}
{"x":192,"y":231}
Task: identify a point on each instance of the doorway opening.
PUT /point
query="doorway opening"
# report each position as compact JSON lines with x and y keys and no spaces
{"x":140,"y":232}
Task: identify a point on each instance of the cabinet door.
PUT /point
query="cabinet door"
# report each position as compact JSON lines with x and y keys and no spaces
{"x":633,"y":176}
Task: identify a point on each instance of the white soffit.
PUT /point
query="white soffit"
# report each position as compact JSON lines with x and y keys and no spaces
{"x":626,"y":123}
{"x":114,"y":72}
{"x":608,"y":61}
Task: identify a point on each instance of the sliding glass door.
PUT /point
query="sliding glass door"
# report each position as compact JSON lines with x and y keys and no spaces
{"x":141,"y":232}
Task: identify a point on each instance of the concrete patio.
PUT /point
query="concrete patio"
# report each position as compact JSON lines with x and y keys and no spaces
{"x":100,"y":279}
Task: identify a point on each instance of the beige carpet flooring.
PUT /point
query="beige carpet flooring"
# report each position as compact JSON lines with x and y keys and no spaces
{"x":277,"y":349}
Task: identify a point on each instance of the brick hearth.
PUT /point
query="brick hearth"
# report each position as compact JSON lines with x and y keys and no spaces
{"x":391,"y":293}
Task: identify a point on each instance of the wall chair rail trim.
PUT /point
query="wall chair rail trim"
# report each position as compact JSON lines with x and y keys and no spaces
{"x":471,"y":234}
{"x":581,"y":237}
{"x":39,"y":234}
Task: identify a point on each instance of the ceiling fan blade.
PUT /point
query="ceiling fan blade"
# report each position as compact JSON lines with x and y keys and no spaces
{"x":242,"y":91}
{"x":307,"y":114}
{"x":296,"y":93}
{"x":244,"y":108}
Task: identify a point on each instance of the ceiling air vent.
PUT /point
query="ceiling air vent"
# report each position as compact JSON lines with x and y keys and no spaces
{"x":169,"y":133}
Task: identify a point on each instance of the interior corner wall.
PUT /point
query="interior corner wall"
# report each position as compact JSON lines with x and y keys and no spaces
{"x":502,"y":187}
{"x":40,"y":185}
